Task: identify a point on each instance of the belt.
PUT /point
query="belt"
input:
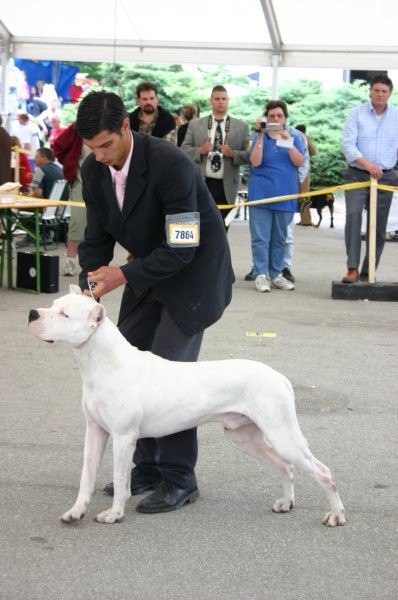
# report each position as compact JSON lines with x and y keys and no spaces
{"x":364,"y":170}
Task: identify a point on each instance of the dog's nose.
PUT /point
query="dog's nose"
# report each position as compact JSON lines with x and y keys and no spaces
{"x":33,"y":315}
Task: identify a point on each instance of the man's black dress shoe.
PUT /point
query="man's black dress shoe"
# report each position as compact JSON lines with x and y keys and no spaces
{"x":140,"y":482}
{"x":168,"y":497}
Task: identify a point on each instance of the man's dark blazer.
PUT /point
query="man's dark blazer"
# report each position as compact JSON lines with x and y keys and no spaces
{"x":195,"y":284}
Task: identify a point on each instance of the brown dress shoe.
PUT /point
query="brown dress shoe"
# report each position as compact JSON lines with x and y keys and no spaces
{"x":352,"y":276}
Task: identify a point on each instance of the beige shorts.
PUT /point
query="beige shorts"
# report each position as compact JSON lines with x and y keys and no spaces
{"x":78,"y":220}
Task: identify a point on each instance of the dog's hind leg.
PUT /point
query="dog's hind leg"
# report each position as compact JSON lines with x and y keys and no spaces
{"x":319,"y":211}
{"x":94,"y":448}
{"x":336,"y":516}
{"x":321,"y":473}
{"x":251,"y":440}
{"x":123,"y":450}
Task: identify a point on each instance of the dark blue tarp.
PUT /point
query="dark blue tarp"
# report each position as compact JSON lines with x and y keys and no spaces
{"x":59,"y":74}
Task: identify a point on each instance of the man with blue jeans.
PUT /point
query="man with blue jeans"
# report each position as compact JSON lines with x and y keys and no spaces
{"x":370,"y":145}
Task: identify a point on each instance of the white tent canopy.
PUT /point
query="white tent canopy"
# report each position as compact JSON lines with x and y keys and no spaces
{"x":346,"y":34}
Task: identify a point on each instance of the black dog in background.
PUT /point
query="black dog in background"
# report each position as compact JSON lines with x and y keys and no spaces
{"x":319,"y":203}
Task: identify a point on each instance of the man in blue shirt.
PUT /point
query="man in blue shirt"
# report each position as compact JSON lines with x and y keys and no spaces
{"x":370,"y":145}
{"x":46,"y":173}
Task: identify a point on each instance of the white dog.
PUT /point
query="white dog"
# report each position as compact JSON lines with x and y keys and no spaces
{"x":130,"y":394}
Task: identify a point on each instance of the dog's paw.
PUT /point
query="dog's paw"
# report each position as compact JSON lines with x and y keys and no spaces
{"x":70,"y":516}
{"x":283,"y":505}
{"x":109,"y":516}
{"x":334,"y":517}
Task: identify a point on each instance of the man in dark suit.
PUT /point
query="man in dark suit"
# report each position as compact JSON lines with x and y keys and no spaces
{"x":179,"y":280}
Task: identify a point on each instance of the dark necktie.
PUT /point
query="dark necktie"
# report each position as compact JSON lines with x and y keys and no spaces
{"x":218,"y":136}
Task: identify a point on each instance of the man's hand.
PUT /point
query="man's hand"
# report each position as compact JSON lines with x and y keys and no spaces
{"x":206,"y":148}
{"x":227,"y":151}
{"x":374,"y":170}
{"x":106,"y":280}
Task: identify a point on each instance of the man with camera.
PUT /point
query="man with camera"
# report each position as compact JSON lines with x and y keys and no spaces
{"x":220,"y":145}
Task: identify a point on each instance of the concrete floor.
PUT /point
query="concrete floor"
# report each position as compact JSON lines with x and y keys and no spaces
{"x":341,"y":357}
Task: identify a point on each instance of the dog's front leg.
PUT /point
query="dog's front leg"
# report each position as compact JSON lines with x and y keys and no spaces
{"x":94,"y":448}
{"x":331,"y":210}
{"x":123,"y":450}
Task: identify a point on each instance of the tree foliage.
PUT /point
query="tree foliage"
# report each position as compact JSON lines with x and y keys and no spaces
{"x":323,"y":111}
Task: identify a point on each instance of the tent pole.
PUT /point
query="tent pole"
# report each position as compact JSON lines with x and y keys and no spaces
{"x":3,"y":90}
{"x":5,"y":43}
{"x":275,"y":68}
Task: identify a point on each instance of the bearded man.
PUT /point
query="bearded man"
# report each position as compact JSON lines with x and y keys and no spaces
{"x":149,"y":117}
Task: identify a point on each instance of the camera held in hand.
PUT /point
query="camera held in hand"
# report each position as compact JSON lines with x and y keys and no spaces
{"x":215,"y":161}
{"x":263,"y":123}
{"x":275,"y":127}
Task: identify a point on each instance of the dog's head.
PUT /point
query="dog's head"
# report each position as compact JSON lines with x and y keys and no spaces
{"x":71,"y":319}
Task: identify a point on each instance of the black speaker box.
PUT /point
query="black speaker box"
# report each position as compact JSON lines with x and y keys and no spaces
{"x":49,"y":270}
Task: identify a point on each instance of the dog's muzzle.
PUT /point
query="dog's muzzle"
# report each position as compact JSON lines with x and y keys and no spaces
{"x":33,"y":315}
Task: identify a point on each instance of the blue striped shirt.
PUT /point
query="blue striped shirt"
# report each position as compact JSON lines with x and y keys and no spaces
{"x":376,"y":139}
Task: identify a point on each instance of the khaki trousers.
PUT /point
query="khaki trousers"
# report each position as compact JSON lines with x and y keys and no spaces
{"x":305,"y":215}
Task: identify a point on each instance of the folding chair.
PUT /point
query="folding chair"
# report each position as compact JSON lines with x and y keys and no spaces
{"x":48,"y":219}
{"x":63,"y":215}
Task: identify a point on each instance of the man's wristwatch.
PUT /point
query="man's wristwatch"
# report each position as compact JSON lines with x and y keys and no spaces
{"x":258,"y":130}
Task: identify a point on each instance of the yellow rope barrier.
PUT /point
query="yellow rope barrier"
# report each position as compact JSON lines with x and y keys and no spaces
{"x":328,"y":190}
{"x":387,"y":188}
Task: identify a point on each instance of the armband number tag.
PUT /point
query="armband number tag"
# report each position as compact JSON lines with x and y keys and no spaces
{"x":183,"y":230}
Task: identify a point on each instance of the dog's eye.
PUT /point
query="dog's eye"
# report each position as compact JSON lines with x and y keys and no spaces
{"x":64,"y":314}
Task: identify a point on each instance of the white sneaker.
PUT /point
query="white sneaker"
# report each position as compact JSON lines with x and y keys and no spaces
{"x":70,"y":267}
{"x":282,"y":283}
{"x":262,"y":283}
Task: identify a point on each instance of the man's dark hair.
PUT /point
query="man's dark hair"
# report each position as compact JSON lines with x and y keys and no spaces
{"x":381,"y":79}
{"x":219,"y":88}
{"x":301,"y":128}
{"x":46,"y":153}
{"x":276,"y":104}
{"x":146,"y":86}
{"x":100,"y":111}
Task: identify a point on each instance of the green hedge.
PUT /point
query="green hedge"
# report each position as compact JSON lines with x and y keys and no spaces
{"x":322,"y":110}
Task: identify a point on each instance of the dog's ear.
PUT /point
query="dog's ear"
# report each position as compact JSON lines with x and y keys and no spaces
{"x":96,"y":316}
{"x":74,"y":289}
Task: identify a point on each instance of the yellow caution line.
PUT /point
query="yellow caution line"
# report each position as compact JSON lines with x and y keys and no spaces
{"x":387,"y":188}
{"x":329,"y":190}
